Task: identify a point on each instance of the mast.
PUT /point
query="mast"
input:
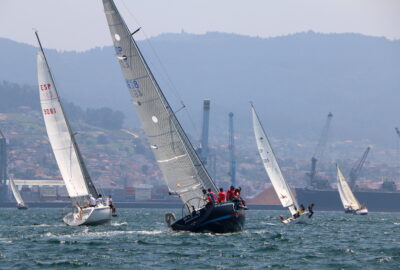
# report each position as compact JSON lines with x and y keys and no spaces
{"x":3,"y":159}
{"x":232,"y":157}
{"x":71,"y":136}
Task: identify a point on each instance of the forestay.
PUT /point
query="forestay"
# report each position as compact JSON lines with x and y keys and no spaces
{"x":346,"y":195}
{"x":182,"y":169}
{"x":15,"y":192}
{"x":66,"y":152}
{"x":271,"y":165}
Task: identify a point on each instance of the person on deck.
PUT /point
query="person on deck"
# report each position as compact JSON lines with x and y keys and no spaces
{"x":230,"y":193}
{"x":110,"y":204}
{"x":211,"y":196}
{"x":99,"y":200}
{"x":311,"y":210}
{"x":221,"y":196}
{"x":92,"y":201}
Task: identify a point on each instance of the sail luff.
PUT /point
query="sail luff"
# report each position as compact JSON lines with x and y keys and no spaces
{"x":346,"y":195}
{"x":272,"y":167}
{"x":68,"y":157}
{"x":183,"y":170}
{"x":16,"y":193}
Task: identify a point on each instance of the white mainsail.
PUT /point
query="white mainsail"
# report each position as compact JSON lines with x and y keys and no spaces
{"x":346,"y":195}
{"x":16,"y":193}
{"x":271,"y":165}
{"x":183,"y":171}
{"x":66,"y":152}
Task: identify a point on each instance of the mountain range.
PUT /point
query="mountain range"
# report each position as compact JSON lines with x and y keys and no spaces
{"x":294,"y":81}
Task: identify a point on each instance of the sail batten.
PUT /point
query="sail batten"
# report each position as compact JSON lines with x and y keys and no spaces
{"x":346,"y":195}
{"x":67,"y":154}
{"x":271,"y":165}
{"x":171,"y":147}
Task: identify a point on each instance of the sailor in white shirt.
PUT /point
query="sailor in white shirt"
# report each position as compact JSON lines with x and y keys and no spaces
{"x":99,"y":200}
{"x":92,"y":200}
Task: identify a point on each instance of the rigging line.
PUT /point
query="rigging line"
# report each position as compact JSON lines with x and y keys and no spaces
{"x":174,"y":89}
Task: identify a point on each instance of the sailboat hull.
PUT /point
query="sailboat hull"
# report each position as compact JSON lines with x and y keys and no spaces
{"x":89,"y":216}
{"x":22,"y":207}
{"x":302,"y":219}
{"x":361,"y":212}
{"x":219,"y":218}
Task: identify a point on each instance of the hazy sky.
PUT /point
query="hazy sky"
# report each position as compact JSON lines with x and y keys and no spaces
{"x":81,"y":24}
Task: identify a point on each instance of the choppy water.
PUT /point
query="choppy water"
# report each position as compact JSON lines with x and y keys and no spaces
{"x":138,"y":239}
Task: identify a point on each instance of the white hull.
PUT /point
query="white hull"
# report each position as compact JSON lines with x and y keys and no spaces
{"x":304,"y":218}
{"x":361,"y":212}
{"x":89,"y":216}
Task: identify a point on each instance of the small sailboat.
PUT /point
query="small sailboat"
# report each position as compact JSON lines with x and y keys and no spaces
{"x":73,"y":170}
{"x":349,"y":201}
{"x":20,"y":202}
{"x":282,"y":189}
{"x":183,"y":171}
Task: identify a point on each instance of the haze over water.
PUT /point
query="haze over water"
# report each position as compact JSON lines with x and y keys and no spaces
{"x":139,"y":239}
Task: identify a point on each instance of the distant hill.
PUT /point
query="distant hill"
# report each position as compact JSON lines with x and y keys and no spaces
{"x":293,"y":80}
{"x":18,"y":98}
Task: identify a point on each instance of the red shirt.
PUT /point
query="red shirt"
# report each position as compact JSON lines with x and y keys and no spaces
{"x":230,"y":194}
{"x":221,"y":196}
{"x":211,"y":197}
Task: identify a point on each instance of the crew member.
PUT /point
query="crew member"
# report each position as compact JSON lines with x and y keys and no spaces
{"x":310,"y":210}
{"x":230,"y":194}
{"x":99,"y":200}
{"x":110,"y":204}
{"x":92,"y":201}
{"x":221,"y":195}
{"x":211,"y":196}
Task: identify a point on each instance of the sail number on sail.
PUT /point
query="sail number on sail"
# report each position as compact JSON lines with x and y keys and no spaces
{"x":44,"y":87}
{"x":133,"y":85}
{"x":49,"y":111}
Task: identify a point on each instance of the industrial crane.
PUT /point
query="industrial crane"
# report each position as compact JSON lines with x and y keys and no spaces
{"x":319,"y":151}
{"x":355,"y":171}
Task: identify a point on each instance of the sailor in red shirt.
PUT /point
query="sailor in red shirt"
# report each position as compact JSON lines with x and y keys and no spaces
{"x":221,"y":195}
{"x":230,"y":194}
{"x":211,"y":196}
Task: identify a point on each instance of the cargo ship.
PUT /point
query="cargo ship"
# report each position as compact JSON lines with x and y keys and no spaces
{"x":329,"y":200}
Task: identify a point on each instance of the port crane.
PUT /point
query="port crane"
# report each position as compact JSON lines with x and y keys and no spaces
{"x":355,"y":171}
{"x":319,"y":151}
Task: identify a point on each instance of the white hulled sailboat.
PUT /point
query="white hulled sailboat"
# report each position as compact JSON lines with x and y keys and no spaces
{"x":80,"y":187}
{"x":282,"y":188}
{"x":20,"y":202}
{"x":349,"y":201}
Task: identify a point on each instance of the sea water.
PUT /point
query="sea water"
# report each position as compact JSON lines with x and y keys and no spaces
{"x":138,"y":239}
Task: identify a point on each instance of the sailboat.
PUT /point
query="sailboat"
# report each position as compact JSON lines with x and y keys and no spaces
{"x":79,"y":185}
{"x":349,"y":201}
{"x":20,"y":202}
{"x":282,"y":188}
{"x":183,"y":171}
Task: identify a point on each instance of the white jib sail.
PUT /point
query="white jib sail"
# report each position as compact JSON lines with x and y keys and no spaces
{"x":346,"y":195}
{"x":271,"y":165}
{"x":16,"y":193}
{"x":59,"y":133}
